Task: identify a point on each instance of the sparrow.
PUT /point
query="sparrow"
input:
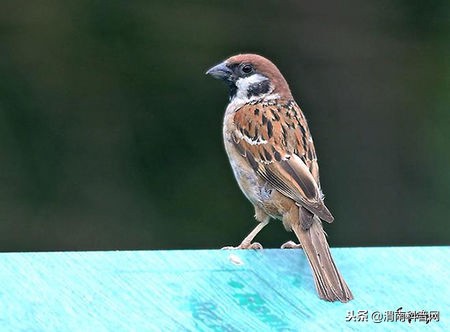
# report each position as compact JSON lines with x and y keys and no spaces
{"x":272,"y":155}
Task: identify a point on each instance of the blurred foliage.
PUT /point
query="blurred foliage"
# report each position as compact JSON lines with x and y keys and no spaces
{"x":110,"y":134}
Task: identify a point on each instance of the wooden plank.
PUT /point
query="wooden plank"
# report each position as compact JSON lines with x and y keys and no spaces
{"x":214,"y":290}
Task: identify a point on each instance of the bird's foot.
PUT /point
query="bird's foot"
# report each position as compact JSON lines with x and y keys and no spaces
{"x":245,"y":245}
{"x":291,"y":245}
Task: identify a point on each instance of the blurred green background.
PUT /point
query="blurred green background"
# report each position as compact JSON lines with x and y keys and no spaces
{"x":111,"y":134}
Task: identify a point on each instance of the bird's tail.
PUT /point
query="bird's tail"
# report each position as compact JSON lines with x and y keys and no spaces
{"x":330,"y":284}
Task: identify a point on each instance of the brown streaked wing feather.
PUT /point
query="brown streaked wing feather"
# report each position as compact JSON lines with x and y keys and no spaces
{"x":294,"y":174}
{"x":275,"y":139}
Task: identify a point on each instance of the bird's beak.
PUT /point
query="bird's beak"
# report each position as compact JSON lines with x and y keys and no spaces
{"x":220,"y":71}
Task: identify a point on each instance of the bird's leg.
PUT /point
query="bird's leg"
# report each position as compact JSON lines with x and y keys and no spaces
{"x":287,"y":221}
{"x":291,"y":245}
{"x":247,"y":242}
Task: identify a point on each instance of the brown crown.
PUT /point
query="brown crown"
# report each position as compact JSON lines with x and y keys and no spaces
{"x":267,"y":68}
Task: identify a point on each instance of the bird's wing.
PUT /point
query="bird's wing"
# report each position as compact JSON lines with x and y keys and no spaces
{"x":275,"y":140}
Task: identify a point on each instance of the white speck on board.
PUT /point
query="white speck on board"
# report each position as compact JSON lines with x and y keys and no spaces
{"x":236,"y":260}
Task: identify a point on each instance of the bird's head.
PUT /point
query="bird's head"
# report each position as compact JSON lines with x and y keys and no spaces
{"x":251,"y":77}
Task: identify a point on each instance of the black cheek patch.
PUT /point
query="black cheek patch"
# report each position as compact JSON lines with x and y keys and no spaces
{"x":258,"y":89}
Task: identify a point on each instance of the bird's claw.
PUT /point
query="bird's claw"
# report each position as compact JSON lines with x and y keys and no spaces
{"x":291,"y":245}
{"x":254,"y":245}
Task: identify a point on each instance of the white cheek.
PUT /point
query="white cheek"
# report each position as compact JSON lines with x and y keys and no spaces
{"x":243,"y":83}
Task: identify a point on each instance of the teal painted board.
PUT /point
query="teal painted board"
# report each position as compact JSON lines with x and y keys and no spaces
{"x":218,"y":290}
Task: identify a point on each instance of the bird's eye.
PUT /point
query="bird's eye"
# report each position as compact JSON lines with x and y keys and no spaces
{"x":246,"y":69}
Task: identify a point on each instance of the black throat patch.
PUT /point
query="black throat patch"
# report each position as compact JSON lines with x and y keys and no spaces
{"x":233,"y":90}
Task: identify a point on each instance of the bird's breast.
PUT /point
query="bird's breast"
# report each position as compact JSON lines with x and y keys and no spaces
{"x":256,"y":189}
